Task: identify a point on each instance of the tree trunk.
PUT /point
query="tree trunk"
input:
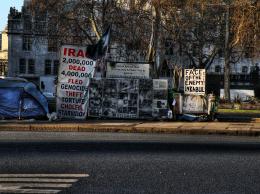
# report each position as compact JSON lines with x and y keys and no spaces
{"x":227,"y":80}
{"x":227,"y":60}
{"x":157,"y":37}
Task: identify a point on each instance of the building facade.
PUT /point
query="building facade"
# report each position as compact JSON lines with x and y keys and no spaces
{"x":245,"y":74}
{"x":31,"y":54}
{"x":3,"y":53}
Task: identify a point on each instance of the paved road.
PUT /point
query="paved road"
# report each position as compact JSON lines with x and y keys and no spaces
{"x":128,"y":163}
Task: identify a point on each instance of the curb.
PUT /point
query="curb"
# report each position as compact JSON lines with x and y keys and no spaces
{"x":198,"y":128}
{"x":256,"y":120}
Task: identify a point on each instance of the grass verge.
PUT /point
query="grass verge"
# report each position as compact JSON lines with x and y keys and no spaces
{"x":239,"y":111}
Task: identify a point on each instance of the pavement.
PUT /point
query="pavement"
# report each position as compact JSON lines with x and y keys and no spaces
{"x":136,"y":126}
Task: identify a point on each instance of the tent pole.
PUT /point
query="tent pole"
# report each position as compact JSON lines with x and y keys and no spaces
{"x":20,"y":109}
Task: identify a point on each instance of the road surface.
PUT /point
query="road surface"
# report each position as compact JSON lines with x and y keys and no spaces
{"x":34,"y":162}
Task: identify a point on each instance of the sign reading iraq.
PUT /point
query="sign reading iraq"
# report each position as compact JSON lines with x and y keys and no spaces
{"x":194,"y":81}
{"x":128,"y":70}
{"x":75,"y":72}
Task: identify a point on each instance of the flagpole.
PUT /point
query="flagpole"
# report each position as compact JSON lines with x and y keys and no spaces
{"x":106,"y":53}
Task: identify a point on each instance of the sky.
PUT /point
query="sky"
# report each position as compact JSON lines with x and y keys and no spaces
{"x":4,"y":10}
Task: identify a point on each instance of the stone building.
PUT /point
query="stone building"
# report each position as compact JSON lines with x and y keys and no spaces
{"x":3,"y":53}
{"x":31,"y":54}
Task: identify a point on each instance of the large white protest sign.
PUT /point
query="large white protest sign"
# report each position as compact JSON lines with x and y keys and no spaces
{"x":194,"y":81}
{"x":128,"y":70}
{"x":75,"y":72}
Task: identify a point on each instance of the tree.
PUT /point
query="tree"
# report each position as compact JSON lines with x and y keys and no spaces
{"x":73,"y":22}
{"x":198,"y":28}
{"x":231,"y":26}
{"x":241,"y":29}
{"x":194,"y":27}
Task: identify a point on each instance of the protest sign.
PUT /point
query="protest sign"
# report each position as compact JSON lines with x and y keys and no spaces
{"x":194,"y":81}
{"x":193,"y":104}
{"x":75,"y":72}
{"x":128,"y":98}
{"x":128,"y":70}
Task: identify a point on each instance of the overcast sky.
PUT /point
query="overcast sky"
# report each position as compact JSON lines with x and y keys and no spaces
{"x":4,"y":10}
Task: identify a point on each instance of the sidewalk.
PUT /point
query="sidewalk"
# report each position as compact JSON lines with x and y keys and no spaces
{"x":228,"y":128}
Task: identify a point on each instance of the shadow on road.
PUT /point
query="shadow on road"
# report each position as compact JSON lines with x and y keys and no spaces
{"x":129,"y":147}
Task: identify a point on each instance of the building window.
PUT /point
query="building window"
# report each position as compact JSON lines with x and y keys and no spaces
{"x":52,"y":45}
{"x":27,"y":43}
{"x":56,"y":67}
{"x":31,"y":66}
{"x":220,"y":53}
{"x":3,"y":67}
{"x":40,"y":26}
{"x":244,"y":69}
{"x":47,"y":67}
{"x":22,"y":66}
{"x":13,"y":25}
{"x":27,"y":23}
{"x":218,"y":69}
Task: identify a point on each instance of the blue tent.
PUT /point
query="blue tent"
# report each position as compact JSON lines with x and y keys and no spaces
{"x":21,"y":99}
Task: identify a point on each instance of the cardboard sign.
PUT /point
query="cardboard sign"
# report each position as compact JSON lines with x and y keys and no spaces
{"x":75,"y":72}
{"x":194,"y":104}
{"x":128,"y":70}
{"x":194,"y":81}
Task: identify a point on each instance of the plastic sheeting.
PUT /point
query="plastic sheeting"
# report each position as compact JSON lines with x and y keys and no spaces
{"x":19,"y":99}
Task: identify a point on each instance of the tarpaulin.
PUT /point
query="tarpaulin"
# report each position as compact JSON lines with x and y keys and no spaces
{"x":21,"y":99}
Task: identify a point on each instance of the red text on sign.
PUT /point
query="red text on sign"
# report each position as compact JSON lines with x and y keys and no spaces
{"x":74,"y":53}
{"x":75,"y":81}
{"x":76,"y":68}
{"x":74,"y":94}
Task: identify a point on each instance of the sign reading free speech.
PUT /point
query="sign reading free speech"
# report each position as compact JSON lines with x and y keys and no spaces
{"x":194,"y":81}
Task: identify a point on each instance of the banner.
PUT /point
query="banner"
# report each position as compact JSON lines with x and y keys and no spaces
{"x":75,"y":72}
{"x":194,"y":81}
{"x":128,"y":70}
{"x":128,"y":98}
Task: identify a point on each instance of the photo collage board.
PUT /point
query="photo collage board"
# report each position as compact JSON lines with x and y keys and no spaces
{"x":128,"y":98}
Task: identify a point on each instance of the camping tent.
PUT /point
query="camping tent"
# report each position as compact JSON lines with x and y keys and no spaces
{"x":21,"y":99}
